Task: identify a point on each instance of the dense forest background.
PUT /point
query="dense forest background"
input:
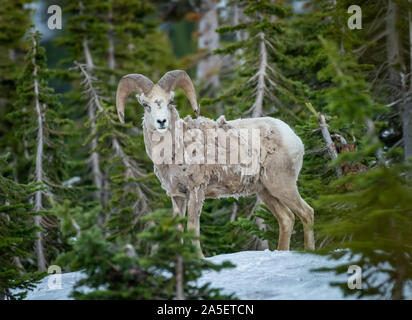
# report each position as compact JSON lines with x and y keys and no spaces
{"x":77,"y":189}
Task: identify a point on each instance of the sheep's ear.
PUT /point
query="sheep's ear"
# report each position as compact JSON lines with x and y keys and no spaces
{"x":139,"y":98}
{"x":143,"y":103}
{"x":170,"y":104}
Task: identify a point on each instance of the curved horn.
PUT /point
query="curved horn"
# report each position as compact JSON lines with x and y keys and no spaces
{"x":180,"y":79}
{"x":133,"y":82}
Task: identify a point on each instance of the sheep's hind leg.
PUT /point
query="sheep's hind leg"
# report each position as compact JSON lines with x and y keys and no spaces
{"x":294,"y":202}
{"x":194,"y":209}
{"x":285,"y":218}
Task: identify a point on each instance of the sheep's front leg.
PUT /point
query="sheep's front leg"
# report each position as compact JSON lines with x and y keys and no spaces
{"x":194,"y":210}
{"x":179,"y":208}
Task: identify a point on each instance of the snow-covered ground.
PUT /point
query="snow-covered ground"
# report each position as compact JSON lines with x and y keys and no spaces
{"x":258,"y":275}
{"x":261,"y":275}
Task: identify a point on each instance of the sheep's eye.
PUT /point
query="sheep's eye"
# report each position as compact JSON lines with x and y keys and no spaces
{"x":145,"y":105}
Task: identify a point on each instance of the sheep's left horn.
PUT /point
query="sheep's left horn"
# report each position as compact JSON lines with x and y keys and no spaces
{"x":133,"y":82}
{"x":180,"y":79}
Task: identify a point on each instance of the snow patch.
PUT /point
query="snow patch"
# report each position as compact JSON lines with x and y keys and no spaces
{"x":258,"y":275}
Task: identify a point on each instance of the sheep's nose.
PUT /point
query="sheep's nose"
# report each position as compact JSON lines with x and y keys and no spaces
{"x":161,"y":122}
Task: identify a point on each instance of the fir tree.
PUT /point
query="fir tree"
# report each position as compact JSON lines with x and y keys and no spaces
{"x":175,"y":255}
{"x":112,"y":270}
{"x":260,"y":87}
{"x":117,"y":269}
{"x":14,"y":22}
{"x":17,"y":235}
{"x":38,"y":125}
{"x":373,"y":222}
{"x":366,"y":213}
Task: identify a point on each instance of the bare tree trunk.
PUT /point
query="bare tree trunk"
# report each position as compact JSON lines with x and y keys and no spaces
{"x":407,"y":124}
{"x":262,"y":244}
{"x":234,"y":212}
{"x":398,"y":78}
{"x":239,"y":17}
{"x":258,"y":243}
{"x":400,"y":276}
{"x":393,"y":44}
{"x":257,"y":111}
{"x":110,"y":38}
{"x":229,"y":63}
{"x":12,"y":55}
{"x":18,"y":263}
{"x":407,"y":107}
{"x":94,"y":157}
{"x":208,"y":68}
{"x":38,"y":205}
{"x":410,"y":45}
{"x":87,"y":54}
{"x":330,"y":146}
{"x":333,"y":154}
{"x":400,"y":280}
{"x":179,"y":279}
{"x":257,"y":108}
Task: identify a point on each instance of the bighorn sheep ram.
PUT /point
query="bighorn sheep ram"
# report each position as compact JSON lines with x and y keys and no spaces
{"x":189,"y":183}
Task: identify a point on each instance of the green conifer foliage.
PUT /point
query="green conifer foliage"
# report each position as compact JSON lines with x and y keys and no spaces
{"x":41,"y":132}
{"x":373,"y":221}
{"x":115,"y":268}
{"x":14,"y":22}
{"x":112,"y":270}
{"x":367,"y":212}
{"x":17,"y":235}
{"x":259,"y":86}
{"x":174,"y":254}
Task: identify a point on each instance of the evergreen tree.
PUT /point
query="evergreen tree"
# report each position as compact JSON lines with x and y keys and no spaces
{"x":118,"y":269}
{"x":260,"y":87}
{"x":373,"y":222}
{"x":17,"y":235}
{"x":175,"y":255}
{"x":387,"y":46}
{"x":38,"y":125}
{"x":112,"y":270}
{"x":366,"y":213}
{"x":14,"y":22}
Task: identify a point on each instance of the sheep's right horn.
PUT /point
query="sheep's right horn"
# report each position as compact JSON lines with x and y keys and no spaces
{"x":180,"y":79}
{"x":133,"y":82}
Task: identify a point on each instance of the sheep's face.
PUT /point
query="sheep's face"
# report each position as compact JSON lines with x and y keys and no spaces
{"x":157,"y":108}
